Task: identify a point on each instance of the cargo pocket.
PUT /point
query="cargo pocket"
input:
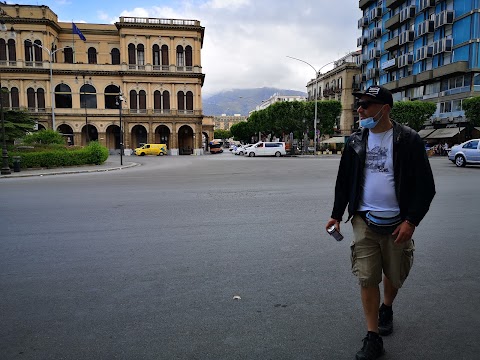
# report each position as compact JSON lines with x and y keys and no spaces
{"x":353,"y":259}
{"x":407,"y":261}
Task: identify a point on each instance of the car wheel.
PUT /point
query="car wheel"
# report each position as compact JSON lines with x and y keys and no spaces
{"x":161,"y":154}
{"x":240,"y":153}
{"x":252,"y":154}
{"x":460,"y":161}
{"x":277,"y":154}
{"x":142,"y":154}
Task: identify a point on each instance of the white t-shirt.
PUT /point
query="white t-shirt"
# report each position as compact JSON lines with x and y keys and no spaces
{"x":378,"y":186}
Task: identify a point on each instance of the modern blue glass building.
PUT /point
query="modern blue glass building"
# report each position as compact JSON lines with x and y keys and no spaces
{"x":423,"y":50}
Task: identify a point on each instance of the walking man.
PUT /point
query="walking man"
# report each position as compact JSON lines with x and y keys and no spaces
{"x":386,"y":181}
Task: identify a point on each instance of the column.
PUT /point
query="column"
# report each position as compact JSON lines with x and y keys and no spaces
{"x":174,"y":149}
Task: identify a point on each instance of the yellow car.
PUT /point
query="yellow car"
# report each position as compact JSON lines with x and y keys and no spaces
{"x":152,"y":149}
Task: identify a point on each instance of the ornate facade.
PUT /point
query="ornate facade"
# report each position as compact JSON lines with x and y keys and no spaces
{"x":74,"y":86}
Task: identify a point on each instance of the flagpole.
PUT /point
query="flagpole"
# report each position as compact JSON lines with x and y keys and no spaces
{"x":73,"y":44}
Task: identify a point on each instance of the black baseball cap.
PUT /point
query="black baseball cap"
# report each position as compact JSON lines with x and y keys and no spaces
{"x":377,"y":93}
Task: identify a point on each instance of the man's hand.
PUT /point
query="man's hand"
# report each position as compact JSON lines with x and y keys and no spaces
{"x":334,"y":222}
{"x":403,"y":232}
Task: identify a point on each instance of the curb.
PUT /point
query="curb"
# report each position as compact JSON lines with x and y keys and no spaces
{"x":64,"y":172}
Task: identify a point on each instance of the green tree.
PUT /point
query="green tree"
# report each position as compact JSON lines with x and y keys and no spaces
{"x":17,"y":124}
{"x":413,"y":113}
{"x":327,"y":113}
{"x":242,"y":131}
{"x":472,"y":110}
{"x":45,"y":137}
{"x":222,"y":134}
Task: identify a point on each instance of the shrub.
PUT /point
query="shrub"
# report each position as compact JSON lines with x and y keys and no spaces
{"x":56,"y":156}
{"x":44,"y":137}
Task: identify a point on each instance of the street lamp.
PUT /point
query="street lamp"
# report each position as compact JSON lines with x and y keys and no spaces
{"x":317,"y":73}
{"x":119,"y":100}
{"x":50,"y":61}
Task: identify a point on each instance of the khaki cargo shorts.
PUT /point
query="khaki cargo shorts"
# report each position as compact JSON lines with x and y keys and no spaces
{"x":373,"y":253}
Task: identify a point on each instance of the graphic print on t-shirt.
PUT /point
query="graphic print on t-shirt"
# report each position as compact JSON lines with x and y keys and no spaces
{"x":377,"y":159}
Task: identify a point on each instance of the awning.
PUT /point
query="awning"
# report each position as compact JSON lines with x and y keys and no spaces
{"x":334,"y":140}
{"x":477,"y":128}
{"x":425,"y":132}
{"x":445,"y":133}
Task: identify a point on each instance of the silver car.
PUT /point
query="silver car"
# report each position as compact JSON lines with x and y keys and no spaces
{"x":465,"y":153}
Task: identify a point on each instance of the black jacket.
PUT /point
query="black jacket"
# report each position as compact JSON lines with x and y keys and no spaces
{"x":414,"y":184}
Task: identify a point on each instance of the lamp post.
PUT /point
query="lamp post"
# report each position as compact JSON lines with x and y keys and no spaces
{"x":119,"y":101}
{"x":317,"y":73}
{"x":50,"y":61}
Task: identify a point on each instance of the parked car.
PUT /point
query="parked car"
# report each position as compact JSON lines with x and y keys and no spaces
{"x":241,"y":149}
{"x":151,"y":149}
{"x":465,"y":153}
{"x":264,"y":148}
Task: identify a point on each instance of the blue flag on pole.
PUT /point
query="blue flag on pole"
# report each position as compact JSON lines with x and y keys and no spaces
{"x":77,"y":31}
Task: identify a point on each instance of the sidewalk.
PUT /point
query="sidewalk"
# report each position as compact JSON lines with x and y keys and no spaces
{"x":108,"y":165}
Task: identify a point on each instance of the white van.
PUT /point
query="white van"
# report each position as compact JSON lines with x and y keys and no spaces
{"x":264,"y":148}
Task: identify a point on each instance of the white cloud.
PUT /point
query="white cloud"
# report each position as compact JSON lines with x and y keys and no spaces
{"x":247,"y":42}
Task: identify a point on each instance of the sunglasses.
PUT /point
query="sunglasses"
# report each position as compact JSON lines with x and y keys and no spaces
{"x":365,"y":104}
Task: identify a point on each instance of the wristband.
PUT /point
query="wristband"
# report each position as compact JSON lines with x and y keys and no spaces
{"x":410,"y":223}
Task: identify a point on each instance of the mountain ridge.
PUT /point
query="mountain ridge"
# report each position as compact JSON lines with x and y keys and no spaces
{"x":241,"y":101}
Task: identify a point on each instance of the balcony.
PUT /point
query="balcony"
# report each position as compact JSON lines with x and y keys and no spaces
{"x":363,"y":4}
{"x":392,"y":85}
{"x":393,"y":22}
{"x":407,"y":81}
{"x":450,"y":69}
{"x":392,"y":44}
{"x":392,"y":4}
{"x":424,"y":76}
{"x":389,"y":64}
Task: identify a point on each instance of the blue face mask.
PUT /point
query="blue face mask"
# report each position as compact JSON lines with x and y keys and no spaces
{"x":370,"y":123}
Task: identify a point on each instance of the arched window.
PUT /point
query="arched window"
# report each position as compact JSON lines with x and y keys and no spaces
{"x":161,"y":102}
{"x":5,"y":98}
{"x":92,"y":55}
{"x":156,"y":57}
{"x":28,"y":51}
{"x":115,"y":53}
{"x":111,"y":93}
{"x":68,"y":55}
{"x":180,"y":58}
{"x":188,"y":58}
{"x":3,"y":50}
{"x":38,"y":51}
{"x":15,"y":98}
{"x":189,"y":101}
{"x":142,"y":101}
{"x":31,"y":99}
{"x":132,"y":59}
{"x":12,"y":52}
{"x":88,"y":97}
{"x":157,"y":101}
{"x":140,"y":56}
{"x":165,"y":62}
{"x":41,"y":100}
{"x":166,"y":101}
{"x":63,"y":96}
{"x":133,"y":100}
{"x":181,"y":101}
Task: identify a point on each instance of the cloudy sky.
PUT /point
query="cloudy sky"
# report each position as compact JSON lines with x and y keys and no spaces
{"x":246,"y":41}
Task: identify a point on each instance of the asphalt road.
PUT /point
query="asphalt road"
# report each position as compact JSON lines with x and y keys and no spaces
{"x":144,"y":263}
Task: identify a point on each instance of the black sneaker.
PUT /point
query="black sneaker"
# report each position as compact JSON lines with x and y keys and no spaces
{"x":372,"y":347}
{"x":385,"y":320}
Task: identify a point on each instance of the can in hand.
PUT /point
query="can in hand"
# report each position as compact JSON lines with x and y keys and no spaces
{"x":332,"y":230}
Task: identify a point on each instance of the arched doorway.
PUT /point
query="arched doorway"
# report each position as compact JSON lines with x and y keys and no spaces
{"x":67,"y":132}
{"x":89,"y":133}
{"x":138,"y":136}
{"x":185,"y":140}
{"x":162,"y":135}
{"x":41,"y":127}
{"x":205,"y":141}
{"x":113,"y":137}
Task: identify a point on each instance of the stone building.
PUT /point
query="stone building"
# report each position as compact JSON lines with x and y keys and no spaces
{"x":73,"y":85}
{"x":339,"y":84}
{"x":225,"y":122}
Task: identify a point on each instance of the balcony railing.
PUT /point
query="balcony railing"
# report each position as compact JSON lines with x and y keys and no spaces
{"x":157,"y":21}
